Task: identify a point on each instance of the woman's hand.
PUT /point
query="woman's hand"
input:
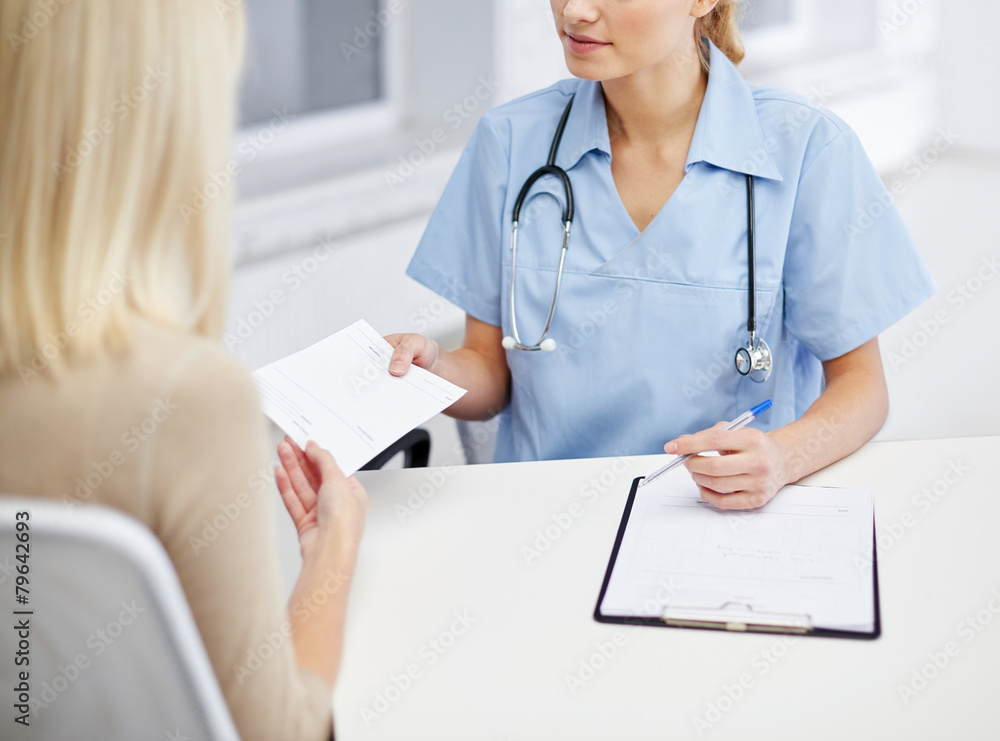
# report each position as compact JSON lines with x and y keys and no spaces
{"x":328,"y":508}
{"x":748,"y":472}
{"x":411,"y":349}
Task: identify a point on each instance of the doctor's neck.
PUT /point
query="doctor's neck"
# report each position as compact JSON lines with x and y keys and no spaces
{"x":659,"y":101}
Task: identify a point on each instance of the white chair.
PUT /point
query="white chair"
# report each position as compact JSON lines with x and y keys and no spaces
{"x":114,"y":652}
{"x":479,"y":439}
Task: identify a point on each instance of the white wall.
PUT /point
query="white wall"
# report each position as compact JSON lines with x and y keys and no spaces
{"x":969,"y":64}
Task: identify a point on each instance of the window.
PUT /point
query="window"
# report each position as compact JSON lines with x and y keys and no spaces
{"x":305,"y":56}
{"x":775,"y":30}
{"x":767,"y":13}
{"x":338,"y":87}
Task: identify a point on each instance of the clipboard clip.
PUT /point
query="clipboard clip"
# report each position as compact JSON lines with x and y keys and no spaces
{"x":730,"y":616}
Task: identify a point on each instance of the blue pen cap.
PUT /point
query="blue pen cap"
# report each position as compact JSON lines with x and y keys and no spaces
{"x":761,"y":408}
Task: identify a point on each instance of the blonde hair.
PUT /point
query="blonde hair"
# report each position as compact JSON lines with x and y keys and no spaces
{"x":722,"y":26}
{"x":117,"y":120}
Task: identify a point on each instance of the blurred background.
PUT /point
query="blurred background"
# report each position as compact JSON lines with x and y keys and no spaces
{"x":354,"y":113}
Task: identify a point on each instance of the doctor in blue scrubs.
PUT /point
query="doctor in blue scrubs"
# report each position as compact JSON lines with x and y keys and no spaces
{"x":658,"y":143}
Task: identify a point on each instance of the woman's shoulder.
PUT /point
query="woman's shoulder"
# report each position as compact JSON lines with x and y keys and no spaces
{"x":206,"y":421}
{"x":196,"y":371}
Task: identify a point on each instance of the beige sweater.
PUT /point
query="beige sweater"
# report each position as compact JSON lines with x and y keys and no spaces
{"x":171,"y":433}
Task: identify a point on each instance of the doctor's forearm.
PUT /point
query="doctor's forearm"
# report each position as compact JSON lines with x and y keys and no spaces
{"x":479,"y":365}
{"x":844,"y":417}
{"x":488,"y":386}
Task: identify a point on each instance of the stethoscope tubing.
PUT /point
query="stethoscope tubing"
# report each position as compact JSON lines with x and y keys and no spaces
{"x":756,"y":355}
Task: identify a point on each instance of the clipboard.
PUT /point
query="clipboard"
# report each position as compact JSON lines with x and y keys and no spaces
{"x":730,"y":615}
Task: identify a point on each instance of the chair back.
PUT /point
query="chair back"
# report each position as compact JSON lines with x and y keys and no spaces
{"x":104,"y":645}
{"x":479,"y":439}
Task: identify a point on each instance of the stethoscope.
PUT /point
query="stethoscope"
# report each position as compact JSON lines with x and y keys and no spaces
{"x":753,"y":360}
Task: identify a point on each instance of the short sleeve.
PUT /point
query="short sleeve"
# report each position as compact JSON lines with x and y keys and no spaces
{"x":459,"y":255}
{"x":851,"y":269}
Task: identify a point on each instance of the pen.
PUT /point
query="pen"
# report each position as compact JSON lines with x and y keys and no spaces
{"x":742,"y":421}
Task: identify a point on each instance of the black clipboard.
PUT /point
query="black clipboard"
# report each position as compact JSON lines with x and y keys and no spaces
{"x":794,"y":625}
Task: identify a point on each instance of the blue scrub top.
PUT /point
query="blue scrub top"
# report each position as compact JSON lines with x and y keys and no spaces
{"x":648,"y":323}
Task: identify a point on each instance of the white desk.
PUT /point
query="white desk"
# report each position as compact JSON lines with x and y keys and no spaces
{"x":504,"y":676}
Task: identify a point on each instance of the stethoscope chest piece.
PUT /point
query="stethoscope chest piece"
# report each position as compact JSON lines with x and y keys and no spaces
{"x":754,"y":360}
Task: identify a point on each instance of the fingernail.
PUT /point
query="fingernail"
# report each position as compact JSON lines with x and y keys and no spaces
{"x":397,"y":365}
{"x":670,"y":448}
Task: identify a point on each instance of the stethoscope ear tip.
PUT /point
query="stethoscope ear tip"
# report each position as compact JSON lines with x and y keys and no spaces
{"x":507,"y":342}
{"x":548,"y":345}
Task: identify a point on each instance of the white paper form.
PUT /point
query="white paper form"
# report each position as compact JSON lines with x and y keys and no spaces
{"x":339,"y":393}
{"x":806,"y":552}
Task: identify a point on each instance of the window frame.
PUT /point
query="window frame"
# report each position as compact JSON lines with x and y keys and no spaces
{"x":324,"y":130}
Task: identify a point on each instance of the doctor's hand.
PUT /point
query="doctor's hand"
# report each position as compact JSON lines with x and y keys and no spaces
{"x":410,"y":349}
{"x":747,"y":473}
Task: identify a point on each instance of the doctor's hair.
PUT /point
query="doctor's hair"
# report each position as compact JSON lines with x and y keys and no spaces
{"x":722,"y":26}
{"x":117,"y":119}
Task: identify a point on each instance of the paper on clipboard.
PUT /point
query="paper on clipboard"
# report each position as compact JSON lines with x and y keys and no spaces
{"x":339,"y":393}
{"x":806,"y":553}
